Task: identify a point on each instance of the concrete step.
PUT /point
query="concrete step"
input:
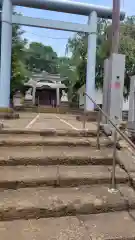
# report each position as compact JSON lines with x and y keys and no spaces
{"x":50,"y":132}
{"x":23,"y":140}
{"x":110,"y":226}
{"x":42,"y":202}
{"x":30,"y":176}
{"x":39,"y":155}
{"x":107,"y":226}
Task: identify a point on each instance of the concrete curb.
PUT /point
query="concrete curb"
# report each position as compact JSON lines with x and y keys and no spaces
{"x":63,"y":202}
{"x":60,"y":142}
{"x":51,"y":132}
{"x":55,"y":160}
{"x":12,"y":213}
{"x":60,"y":180}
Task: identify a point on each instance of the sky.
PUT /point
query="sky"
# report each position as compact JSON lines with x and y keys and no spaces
{"x":58,"y":39}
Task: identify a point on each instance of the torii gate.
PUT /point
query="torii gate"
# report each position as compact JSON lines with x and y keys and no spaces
{"x":93,"y":12}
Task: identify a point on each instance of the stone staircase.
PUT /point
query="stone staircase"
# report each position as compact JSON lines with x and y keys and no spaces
{"x":55,"y":185}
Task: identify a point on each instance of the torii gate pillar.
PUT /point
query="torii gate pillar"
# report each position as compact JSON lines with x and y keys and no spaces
{"x":6,"y":46}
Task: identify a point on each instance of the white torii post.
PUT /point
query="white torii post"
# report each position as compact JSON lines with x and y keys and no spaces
{"x":105,"y":90}
{"x":6,"y":46}
{"x":131,"y":112}
{"x":58,"y":96}
{"x":91,"y":61}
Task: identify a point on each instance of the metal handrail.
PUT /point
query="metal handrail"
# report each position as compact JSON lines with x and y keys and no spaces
{"x":117,"y":130}
{"x":112,"y":123}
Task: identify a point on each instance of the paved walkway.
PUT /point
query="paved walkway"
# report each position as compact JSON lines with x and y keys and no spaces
{"x":85,"y":227}
{"x":47,"y":121}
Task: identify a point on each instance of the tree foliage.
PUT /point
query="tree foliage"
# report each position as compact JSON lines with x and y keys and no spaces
{"x":77,"y":46}
{"x":68,"y":71}
{"x":18,"y":69}
{"x":41,"y":57}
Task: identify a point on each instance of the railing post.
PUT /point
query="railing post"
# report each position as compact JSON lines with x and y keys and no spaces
{"x":98,"y":129}
{"x":84,"y":113}
{"x":84,"y":120}
{"x":113,"y":124}
{"x":38,"y":104}
{"x":113,"y":182}
{"x":116,"y":131}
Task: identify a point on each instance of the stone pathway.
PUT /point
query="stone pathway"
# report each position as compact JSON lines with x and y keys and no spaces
{"x":56,"y":185}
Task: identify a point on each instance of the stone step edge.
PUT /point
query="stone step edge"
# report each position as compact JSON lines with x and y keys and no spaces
{"x":56,"y":160}
{"x":60,"y":182}
{"x":48,"y":142}
{"x":12,"y":213}
{"x":51,"y":132}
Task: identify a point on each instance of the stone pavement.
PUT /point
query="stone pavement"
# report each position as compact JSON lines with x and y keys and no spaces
{"x":55,"y":184}
{"x":118,"y":225}
{"x":47,"y":121}
{"x":45,"y":202}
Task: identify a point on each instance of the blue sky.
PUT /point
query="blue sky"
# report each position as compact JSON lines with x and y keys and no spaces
{"x":58,"y":39}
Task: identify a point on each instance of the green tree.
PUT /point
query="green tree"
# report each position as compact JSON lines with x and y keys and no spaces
{"x":41,"y":57}
{"x":18,"y":69}
{"x":68,"y":71}
{"x":19,"y":73}
{"x":78,"y":48}
{"x":126,"y":46}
